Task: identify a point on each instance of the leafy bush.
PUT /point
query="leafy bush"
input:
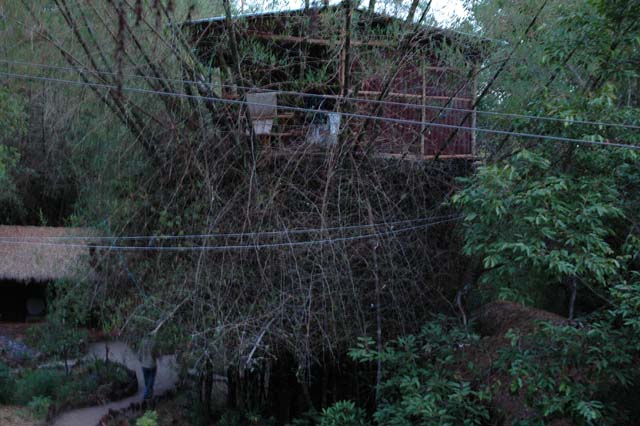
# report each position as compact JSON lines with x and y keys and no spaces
{"x":75,"y":389}
{"x":230,"y":418}
{"x":7,"y":383}
{"x":581,"y":373}
{"x":39,"y":406}
{"x":249,"y":418}
{"x":419,"y":383}
{"x":12,"y":123}
{"x":310,"y":418}
{"x":88,"y":384}
{"x":95,"y":382}
{"x":523,"y":220}
{"x":12,"y":114}
{"x":11,"y":202}
{"x":58,"y":339}
{"x":108,"y":372}
{"x":343,"y":413}
{"x":150,"y":418}
{"x":37,"y":383}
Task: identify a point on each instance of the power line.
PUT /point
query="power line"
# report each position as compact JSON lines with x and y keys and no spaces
{"x":257,"y":234}
{"x":345,"y":114}
{"x":320,"y":96}
{"x":225,"y":248}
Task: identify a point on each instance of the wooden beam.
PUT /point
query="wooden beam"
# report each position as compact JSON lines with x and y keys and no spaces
{"x":317,"y":41}
{"x":474,"y":114}
{"x":423,"y":113}
{"x":414,"y":157}
{"x":412,"y":96}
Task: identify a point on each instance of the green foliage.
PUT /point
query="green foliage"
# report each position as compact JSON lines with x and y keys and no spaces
{"x":231,"y":418}
{"x":75,"y":389}
{"x":12,"y":123}
{"x":58,"y":340}
{"x":249,"y":418}
{"x":12,"y":115}
{"x":515,"y":295}
{"x":627,"y":298}
{"x":37,"y":383}
{"x":343,"y":413}
{"x":565,"y":372}
{"x":96,"y":381}
{"x":310,"y":418}
{"x":532,"y":226}
{"x":554,"y":212}
{"x":11,"y":205}
{"x":70,"y":304}
{"x":39,"y":406}
{"x":7,"y":383}
{"x":150,"y":418}
{"x":62,"y":337}
{"x":420,"y":385}
{"x":9,"y":159}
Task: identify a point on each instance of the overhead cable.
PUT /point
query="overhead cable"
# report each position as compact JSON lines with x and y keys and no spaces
{"x":315,"y":111}
{"x":240,"y":247}
{"x":347,"y":98}
{"x":284,"y":232}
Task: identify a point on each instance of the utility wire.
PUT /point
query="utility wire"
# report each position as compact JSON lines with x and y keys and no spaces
{"x":226,"y":248}
{"x":284,"y":232}
{"x":320,"y":96}
{"x":345,"y":114}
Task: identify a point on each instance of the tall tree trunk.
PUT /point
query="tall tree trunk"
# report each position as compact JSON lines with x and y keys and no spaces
{"x":573,"y":289}
{"x":376,"y":279}
{"x":412,"y":10}
{"x":346,"y":53}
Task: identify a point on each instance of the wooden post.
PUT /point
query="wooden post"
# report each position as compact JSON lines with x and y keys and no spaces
{"x":474,"y":114}
{"x":412,"y":10}
{"x":345,"y":54}
{"x":423,"y":117}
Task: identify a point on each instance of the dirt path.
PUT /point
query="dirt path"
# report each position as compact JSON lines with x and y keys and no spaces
{"x":16,"y":416}
{"x":166,"y":379}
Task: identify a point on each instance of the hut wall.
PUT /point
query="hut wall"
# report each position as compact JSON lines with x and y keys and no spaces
{"x":423,"y":84}
{"x":426,"y":90}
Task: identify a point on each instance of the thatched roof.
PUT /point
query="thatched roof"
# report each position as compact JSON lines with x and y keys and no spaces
{"x":34,"y":253}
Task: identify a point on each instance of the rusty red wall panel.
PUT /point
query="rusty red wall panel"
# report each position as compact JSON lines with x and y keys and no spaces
{"x":441,"y":84}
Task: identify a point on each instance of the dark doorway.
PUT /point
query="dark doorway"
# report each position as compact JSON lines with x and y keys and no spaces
{"x":22,"y":301}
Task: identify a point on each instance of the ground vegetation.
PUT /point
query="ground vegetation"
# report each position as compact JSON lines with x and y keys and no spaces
{"x":521,"y":307}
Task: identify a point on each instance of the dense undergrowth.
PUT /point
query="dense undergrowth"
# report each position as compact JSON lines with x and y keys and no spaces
{"x":548,"y":224}
{"x":47,"y":391}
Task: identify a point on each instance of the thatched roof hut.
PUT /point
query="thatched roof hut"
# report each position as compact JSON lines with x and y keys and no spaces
{"x":34,"y":253}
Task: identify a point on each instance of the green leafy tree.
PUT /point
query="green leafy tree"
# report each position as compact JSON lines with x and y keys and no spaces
{"x":542,"y":215}
{"x":420,"y":384}
{"x":150,"y":418}
{"x":343,"y":413}
{"x":534,"y":229}
{"x":12,"y":115}
{"x":12,"y":119}
{"x":63,"y":335}
{"x":548,"y":213}
{"x":59,"y":341}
